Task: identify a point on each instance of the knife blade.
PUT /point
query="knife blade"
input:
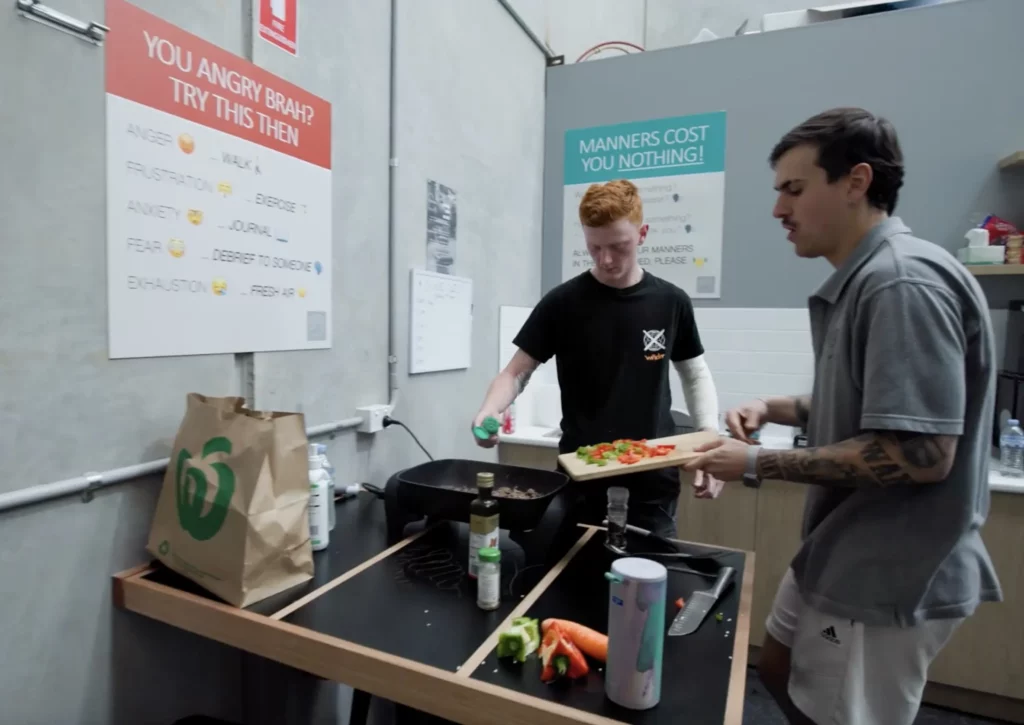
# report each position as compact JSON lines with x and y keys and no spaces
{"x":693,"y":614}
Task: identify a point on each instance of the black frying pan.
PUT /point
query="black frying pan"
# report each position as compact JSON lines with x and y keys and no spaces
{"x":444,"y":489}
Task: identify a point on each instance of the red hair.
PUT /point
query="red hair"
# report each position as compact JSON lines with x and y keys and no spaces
{"x":607,"y":203}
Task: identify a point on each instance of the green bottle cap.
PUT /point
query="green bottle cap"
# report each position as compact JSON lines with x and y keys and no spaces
{"x":490,"y":554}
{"x":491,"y":424}
{"x":489,"y":427}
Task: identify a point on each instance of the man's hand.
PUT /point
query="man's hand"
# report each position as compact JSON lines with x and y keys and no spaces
{"x":491,"y":440}
{"x":706,"y":486}
{"x":747,"y":420}
{"x":725,"y":459}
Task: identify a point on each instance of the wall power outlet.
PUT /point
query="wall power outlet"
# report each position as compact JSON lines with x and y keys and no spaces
{"x":373,"y":418}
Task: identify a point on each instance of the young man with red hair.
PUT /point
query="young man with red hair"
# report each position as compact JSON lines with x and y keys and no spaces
{"x":613,"y":331}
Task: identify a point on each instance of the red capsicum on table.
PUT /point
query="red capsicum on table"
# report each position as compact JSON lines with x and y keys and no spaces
{"x":560,"y":657}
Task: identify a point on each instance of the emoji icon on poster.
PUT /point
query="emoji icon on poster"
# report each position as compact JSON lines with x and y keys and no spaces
{"x":224,"y":188}
{"x":318,"y":267}
{"x":699,"y":261}
{"x":195,"y":216}
{"x":302,"y":291}
{"x":220,"y":286}
{"x":176,"y":247}
{"x":186,"y":143}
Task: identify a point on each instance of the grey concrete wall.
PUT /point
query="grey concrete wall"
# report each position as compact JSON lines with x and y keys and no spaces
{"x":471,"y":112}
{"x":953,"y":128}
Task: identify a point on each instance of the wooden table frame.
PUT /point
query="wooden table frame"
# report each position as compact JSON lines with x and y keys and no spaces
{"x":452,"y":695}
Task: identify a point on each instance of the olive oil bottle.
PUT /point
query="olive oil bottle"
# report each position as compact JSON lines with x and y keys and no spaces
{"x":483,"y":520}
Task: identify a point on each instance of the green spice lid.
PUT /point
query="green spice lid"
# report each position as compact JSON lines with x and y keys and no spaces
{"x":490,"y":554}
{"x":491,"y":424}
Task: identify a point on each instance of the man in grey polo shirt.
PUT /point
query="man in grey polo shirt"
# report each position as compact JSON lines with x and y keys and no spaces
{"x":898,"y":424}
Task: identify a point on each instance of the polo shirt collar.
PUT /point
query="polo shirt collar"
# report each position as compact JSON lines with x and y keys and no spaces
{"x":837,"y":281}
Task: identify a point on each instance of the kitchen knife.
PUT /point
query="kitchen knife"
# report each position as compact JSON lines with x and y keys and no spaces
{"x":690,"y":618}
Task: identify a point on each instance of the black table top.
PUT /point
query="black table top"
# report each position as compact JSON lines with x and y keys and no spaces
{"x":359,"y":534}
{"x":696,"y":668}
{"x":419,"y":603}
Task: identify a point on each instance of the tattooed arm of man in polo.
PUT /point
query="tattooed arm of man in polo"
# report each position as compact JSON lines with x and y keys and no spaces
{"x":907,"y":409}
{"x":874,"y":459}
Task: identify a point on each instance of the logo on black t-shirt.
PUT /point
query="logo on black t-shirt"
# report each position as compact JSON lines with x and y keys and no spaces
{"x":654,"y":344}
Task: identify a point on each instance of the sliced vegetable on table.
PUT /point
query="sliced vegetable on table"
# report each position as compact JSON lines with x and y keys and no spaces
{"x":560,"y":657}
{"x":587,"y":640}
{"x":520,"y":640}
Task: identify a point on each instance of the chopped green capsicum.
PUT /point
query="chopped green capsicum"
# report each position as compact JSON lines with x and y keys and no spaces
{"x":520,"y":640}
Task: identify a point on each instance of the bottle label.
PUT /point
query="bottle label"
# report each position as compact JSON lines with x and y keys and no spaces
{"x":318,"y":516}
{"x":483,"y":533}
{"x":488,"y":592}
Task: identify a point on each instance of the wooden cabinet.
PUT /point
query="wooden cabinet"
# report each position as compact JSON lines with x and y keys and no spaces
{"x":780,"y":511}
{"x":987,"y":652}
{"x":729,"y":520}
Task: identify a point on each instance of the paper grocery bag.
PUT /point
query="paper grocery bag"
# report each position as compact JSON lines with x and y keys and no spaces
{"x":233,"y":510}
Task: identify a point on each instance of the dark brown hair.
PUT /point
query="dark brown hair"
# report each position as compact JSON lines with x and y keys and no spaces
{"x":846,"y":137}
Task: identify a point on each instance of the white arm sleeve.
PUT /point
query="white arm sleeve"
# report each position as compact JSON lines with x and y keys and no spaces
{"x":699,"y":391}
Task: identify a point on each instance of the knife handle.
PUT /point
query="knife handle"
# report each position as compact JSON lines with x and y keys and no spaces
{"x":724,"y":577}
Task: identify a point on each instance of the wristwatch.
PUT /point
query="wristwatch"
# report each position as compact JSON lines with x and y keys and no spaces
{"x":750,"y":477}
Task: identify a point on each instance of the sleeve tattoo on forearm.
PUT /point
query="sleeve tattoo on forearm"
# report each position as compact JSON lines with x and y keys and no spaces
{"x":522,"y":380}
{"x":877,"y":459}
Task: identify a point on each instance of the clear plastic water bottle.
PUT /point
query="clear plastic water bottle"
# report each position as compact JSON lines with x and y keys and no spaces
{"x":1011,"y":449}
{"x":321,"y":450}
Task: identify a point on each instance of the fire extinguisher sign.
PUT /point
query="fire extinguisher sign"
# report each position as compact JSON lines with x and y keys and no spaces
{"x":278,"y":24}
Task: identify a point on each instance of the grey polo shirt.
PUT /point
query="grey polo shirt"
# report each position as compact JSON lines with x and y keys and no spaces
{"x":902,"y":341}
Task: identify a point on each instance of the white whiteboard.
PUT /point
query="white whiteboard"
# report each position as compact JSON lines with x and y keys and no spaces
{"x":440,"y":322}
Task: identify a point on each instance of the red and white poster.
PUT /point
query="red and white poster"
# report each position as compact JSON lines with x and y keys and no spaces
{"x":218,"y":198}
{"x":278,"y":24}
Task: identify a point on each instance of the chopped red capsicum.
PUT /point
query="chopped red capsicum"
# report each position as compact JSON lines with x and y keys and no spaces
{"x":560,"y":657}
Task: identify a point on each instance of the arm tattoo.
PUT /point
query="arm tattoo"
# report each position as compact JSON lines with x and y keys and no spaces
{"x":522,"y":380}
{"x":876,"y":459}
{"x":802,"y":406}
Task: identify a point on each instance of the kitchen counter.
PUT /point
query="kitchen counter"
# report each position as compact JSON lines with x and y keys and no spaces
{"x":538,"y":437}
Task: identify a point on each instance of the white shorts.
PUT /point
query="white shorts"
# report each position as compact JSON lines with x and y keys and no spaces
{"x":844,"y":672}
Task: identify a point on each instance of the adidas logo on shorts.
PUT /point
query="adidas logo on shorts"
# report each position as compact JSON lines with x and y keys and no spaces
{"x":829,"y":634}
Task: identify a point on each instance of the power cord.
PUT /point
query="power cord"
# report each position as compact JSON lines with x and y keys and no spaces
{"x":388,"y":420}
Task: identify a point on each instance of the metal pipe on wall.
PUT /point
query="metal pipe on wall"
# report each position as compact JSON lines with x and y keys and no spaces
{"x":392,"y":389}
{"x":548,"y":53}
{"x":87,"y":484}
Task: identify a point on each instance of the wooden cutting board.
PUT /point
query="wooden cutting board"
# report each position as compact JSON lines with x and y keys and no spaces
{"x":579,"y":470}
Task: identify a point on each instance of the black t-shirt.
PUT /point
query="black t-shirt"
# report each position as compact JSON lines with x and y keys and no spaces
{"x":612,"y":348}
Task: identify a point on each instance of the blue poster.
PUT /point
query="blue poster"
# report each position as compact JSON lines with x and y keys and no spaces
{"x":678,"y":163}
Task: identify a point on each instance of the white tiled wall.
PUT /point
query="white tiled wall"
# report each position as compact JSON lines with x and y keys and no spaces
{"x":540,"y":404}
{"x":753,"y":353}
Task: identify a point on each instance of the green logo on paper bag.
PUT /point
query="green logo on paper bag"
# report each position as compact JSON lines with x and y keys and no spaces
{"x":191,"y":485}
